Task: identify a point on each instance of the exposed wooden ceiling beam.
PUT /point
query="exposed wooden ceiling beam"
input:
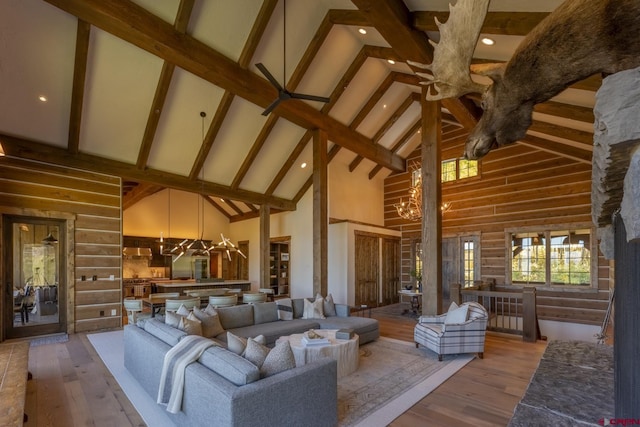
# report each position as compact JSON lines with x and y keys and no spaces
{"x":22,"y":148}
{"x":218,"y":207}
{"x":581,"y":137}
{"x":399,"y":144}
{"x":77,"y":92}
{"x":157,"y":105}
{"x":257,"y":30}
{"x":141,"y":191}
{"x":503,"y":23}
{"x":392,"y":19}
{"x":574,"y":153}
{"x":567,"y":111}
{"x":136,"y":25}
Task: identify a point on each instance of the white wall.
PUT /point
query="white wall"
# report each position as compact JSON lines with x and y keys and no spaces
{"x":150,"y":217}
{"x":352,"y":196}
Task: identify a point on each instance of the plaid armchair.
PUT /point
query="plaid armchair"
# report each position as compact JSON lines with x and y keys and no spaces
{"x":453,"y":338}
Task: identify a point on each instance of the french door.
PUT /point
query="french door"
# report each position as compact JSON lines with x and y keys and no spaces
{"x":34,"y":268}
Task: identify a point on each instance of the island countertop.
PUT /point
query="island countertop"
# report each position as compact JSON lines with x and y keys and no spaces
{"x":182,"y":285}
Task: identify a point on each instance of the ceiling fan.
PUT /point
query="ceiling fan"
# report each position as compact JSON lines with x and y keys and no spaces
{"x":283,"y":93}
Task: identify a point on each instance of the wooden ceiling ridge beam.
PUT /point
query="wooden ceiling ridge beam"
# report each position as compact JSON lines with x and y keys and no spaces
{"x":21,"y":148}
{"x":393,"y":21}
{"x":77,"y":92}
{"x":303,"y":65}
{"x":180,"y":24}
{"x":385,"y":127}
{"x":136,"y":25}
{"x":249,"y":49}
{"x":498,"y":23}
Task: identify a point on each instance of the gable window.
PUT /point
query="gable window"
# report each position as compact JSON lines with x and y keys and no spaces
{"x":552,"y":257}
{"x":454,"y":169}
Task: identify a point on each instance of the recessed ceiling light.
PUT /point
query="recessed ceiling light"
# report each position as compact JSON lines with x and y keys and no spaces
{"x":303,"y":165}
{"x":391,"y":61}
{"x":488,"y":41}
{"x":222,"y":200}
{"x":384,"y":106}
{"x":362,"y":31}
{"x":42,"y":98}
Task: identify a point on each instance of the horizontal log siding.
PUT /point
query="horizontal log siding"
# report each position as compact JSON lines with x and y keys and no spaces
{"x":95,"y":200}
{"x":518,"y":186}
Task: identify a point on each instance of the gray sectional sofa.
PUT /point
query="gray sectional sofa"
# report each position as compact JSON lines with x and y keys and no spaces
{"x":224,"y":389}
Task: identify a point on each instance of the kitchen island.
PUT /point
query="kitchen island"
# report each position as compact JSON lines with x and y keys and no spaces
{"x":183,"y":285}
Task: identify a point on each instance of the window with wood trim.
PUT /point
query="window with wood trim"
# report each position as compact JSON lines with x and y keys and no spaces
{"x":455,"y":169}
{"x":552,"y":257}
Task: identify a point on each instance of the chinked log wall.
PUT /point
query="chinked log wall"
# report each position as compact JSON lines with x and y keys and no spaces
{"x":519,"y":186}
{"x":95,"y":200}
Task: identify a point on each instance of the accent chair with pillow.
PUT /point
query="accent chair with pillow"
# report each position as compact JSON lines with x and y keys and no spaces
{"x":461,"y":330}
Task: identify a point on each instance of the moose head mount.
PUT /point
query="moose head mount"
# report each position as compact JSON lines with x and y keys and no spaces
{"x":578,"y":39}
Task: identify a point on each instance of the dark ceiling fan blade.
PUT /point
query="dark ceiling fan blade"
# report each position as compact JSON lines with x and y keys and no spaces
{"x":310,"y":97}
{"x":269,"y":76}
{"x":271,"y":106}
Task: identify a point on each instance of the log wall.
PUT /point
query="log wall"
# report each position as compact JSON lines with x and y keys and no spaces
{"x":93,"y":201}
{"x":518,"y":187}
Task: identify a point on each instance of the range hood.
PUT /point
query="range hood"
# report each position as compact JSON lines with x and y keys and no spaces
{"x":137,"y":252}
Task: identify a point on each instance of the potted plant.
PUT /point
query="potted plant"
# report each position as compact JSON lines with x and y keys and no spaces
{"x":418,"y":276}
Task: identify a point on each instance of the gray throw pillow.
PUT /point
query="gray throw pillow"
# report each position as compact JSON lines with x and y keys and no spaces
{"x":211,"y":326}
{"x":172,"y":319}
{"x":285,"y":309}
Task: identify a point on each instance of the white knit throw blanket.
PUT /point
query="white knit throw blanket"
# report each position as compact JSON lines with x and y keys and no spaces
{"x":188,"y":350}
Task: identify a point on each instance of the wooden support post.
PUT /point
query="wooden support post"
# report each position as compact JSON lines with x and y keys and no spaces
{"x":265,"y":245}
{"x":530,"y":331}
{"x":431,"y":213}
{"x":320,"y":213}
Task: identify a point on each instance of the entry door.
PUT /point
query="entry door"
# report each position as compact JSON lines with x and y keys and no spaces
{"x":390,"y":271}
{"x":34,"y":268}
{"x":367,"y":266}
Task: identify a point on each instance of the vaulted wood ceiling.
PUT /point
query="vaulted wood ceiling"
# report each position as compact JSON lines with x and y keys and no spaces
{"x":126,"y":82}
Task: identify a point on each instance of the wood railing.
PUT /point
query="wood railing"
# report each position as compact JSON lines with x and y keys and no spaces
{"x":509,"y":312}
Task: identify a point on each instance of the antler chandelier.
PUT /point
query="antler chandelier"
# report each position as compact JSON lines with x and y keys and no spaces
{"x":412,"y":209}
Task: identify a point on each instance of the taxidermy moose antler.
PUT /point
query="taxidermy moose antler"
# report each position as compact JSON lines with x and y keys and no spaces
{"x":578,"y":39}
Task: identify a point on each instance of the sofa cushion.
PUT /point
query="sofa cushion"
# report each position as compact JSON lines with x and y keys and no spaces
{"x":274,"y":330}
{"x":191,"y":325}
{"x":255,"y":352}
{"x":236,"y":316}
{"x":279,"y":359}
{"x":457,"y":315}
{"x":298,"y":307}
{"x":329,"y":306}
{"x":360,"y":325}
{"x":313,"y":310}
{"x":229,"y":365}
{"x":172,"y":318}
{"x":265,"y":312}
{"x":211,"y":325}
{"x":163,"y":332}
{"x":285,"y":309}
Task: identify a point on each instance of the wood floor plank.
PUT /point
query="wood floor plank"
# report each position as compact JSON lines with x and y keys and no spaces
{"x":71,"y":385}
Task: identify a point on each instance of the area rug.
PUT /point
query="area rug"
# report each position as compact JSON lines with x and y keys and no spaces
{"x":572,"y":386}
{"x":49,"y":339}
{"x":392,"y":376}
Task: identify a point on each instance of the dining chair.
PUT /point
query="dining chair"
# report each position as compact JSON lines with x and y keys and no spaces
{"x":174,"y":304}
{"x":254,"y":297}
{"x":133,"y":307}
{"x":223,"y":300}
{"x":163,"y":295}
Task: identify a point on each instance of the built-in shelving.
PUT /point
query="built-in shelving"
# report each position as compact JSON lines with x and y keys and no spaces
{"x":279,"y":268}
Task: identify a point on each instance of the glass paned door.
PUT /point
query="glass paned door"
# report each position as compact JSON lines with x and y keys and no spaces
{"x":33,"y":271}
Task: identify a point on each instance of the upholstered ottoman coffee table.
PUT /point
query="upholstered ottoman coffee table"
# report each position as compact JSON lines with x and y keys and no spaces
{"x":345,"y":352}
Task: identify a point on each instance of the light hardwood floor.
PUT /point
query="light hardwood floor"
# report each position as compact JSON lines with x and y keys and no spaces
{"x":72,"y":387}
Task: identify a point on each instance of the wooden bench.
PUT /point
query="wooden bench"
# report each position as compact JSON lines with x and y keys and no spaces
{"x":14,"y":363}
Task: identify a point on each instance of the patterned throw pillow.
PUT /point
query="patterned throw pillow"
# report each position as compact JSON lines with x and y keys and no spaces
{"x":313,"y":310}
{"x":255,"y":352}
{"x":279,"y":359}
{"x":211,"y":326}
{"x":285,"y":309}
